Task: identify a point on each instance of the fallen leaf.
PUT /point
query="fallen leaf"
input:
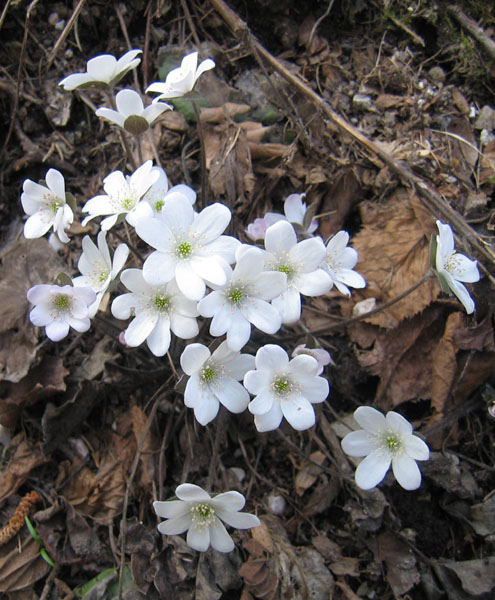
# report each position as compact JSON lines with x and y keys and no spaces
{"x":21,"y":565}
{"x":477,"y":576}
{"x":25,"y":457}
{"x":306,"y":476}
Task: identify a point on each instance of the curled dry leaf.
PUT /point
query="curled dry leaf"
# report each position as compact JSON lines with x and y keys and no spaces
{"x":25,"y":458}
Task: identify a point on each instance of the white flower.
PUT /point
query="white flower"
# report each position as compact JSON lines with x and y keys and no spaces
{"x":385,"y":440}
{"x":257,"y":229}
{"x":321,"y":356}
{"x":452,"y":268}
{"x":339,"y":262}
{"x":97,"y":268}
{"x":180,"y":81}
{"x":122,"y":195}
{"x":131,"y":114}
{"x":102,"y":71}
{"x":284,"y":388}
{"x":244,"y":299}
{"x":295,"y":211}
{"x":189,"y":246}
{"x":60,"y":307}
{"x":300,"y":262}
{"x":201,"y":516}
{"x":214,"y":379}
{"x":156,"y":311}
{"x":159,"y":193}
{"x":47,"y":207}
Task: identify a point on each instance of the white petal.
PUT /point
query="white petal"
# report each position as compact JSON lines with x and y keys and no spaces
{"x":372,"y":470}
{"x":304,"y":367}
{"x":238,"y":366}
{"x":238,"y":332}
{"x":445,"y":240}
{"x":40,"y":316}
{"x":238,"y":520}
{"x":199,"y":539}
{"x":205,"y":65}
{"x":407,"y":472}
{"x":57,"y":330}
{"x":102,"y":68}
{"x":155,"y":233}
{"x":314,"y":283}
{"x":159,"y":339}
{"x":193,"y":358}
{"x":272,"y":357}
{"x":129,"y":103}
{"x":270,"y":420}
{"x":288,"y":305}
{"x":183,"y":327}
{"x":280,"y":238}
{"x":232,"y":395}
{"x":37,"y":225}
{"x":55,"y":182}
{"x":119,"y":259}
{"x":370,"y":419}
{"x":219,"y":538}
{"x":209,"y":268}
{"x":270,"y":284}
{"x":189,"y":492}
{"x":176,"y":525}
{"x":41,"y":293}
{"x":190,"y":284}
{"x":416,"y":448}
{"x":139,"y":329}
{"x":262,"y":403}
{"x":462,"y":294}
{"x":111,"y":115}
{"x":298,"y":412}
{"x":228,"y":502}
{"x":178,"y":213}
{"x":221,"y":321}
{"x":295,"y":208}
{"x":357,"y":443}
{"x":315,"y":389}
{"x":463,"y":268}
{"x":264,"y":316}
{"x":159,"y":268}
{"x":257,"y":381}
{"x":309,"y":253}
{"x":398,"y":424}
{"x":171,"y":508}
{"x":211,"y":222}
{"x":207,"y":409}
{"x":352,"y":278}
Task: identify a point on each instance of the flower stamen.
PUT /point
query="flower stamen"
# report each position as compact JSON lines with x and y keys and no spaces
{"x":202,"y":515}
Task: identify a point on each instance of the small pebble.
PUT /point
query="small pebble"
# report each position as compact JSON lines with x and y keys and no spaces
{"x":362,"y":101}
{"x":53,"y":18}
{"x":276,"y":504}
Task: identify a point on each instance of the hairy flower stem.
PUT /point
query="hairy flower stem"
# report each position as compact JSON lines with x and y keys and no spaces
{"x":221,"y":427}
{"x":123,"y":138}
{"x":139,"y":149}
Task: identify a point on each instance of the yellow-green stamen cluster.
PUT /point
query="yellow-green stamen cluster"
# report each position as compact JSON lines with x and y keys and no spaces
{"x":282,"y":385}
{"x":62,"y":303}
{"x":235,"y":295}
{"x":159,"y":204}
{"x":162,"y":303}
{"x":392,"y":442}
{"x":287,"y":269}
{"x":54,"y":206}
{"x":127,"y":203}
{"x":208,"y":374}
{"x":202,"y":515}
{"x":183,"y":250}
{"x":103,"y":276}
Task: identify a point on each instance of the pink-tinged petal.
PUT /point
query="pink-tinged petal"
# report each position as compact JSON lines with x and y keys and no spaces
{"x":219,"y":538}
{"x":262,"y":315}
{"x":190,"y":284}
{"x":238,"y":520}
{"x":232,"y":395}
{"x":406,"y":471}
{"x":129,"y":103}
{"x":239,"y":331}
{"x":159,"y":339}
{"x":211,"y":222}
{"x":372,"y":470}
{"x":228,"y":502}
{"x":193,"y":358}
{"x":270,"y":284}
{"x":40,"y":316}
{"x":298,"y":412}
{"x":272,"y":358}
{"x":189,"y":492}
{"x":262,"y":403}
{"x":280,"y":238}
{"x":79,"y":325}
{"x":37,"y":225}
{"x":139,"y":329}
{"x":176,"y":525}
{"x":398,"y":424}
{"x":370,"y":419}
{"x":159,"y":268}
{"x":288,"y":305}
{"x":314,"y":283}
{"x":207,"y":409}
{"x":57,"y":330}
{"x":416,"y":448}
{"x":111,"y":115}
{"x":309,"y":253}
{"x":40,"y":293}
{"x":256,"y":382}
{"x":270,"y":420}
{"x":170,"y":509}
{"x":358,"y":443}
{"x":56,"y":183}
{"x":221,"y":321}
{"x":199,"y":539}
{"x":184,"y":327}
{"x":209,"y":269}
{"x":177,"y":213}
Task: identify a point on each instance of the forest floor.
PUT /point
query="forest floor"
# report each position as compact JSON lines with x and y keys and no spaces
{"x":383,"y":114}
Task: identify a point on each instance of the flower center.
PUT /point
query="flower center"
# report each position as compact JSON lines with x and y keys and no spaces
{"x":127,"y":203}
{"x":183,"y":250}
{"x":62,"y":303}
{"x":287,"y":269}
{"x":208,"y":374}
{"x":162,"y":303}
{"x":202,"y":515}
{"x":235,"y":296}
{"x":453,"y":266}
{"x":392,"y":442}
{"x":282,"y":385}
{"x":159,"y":205}
{"x":54,"y":206}
{"x":102,"y":276}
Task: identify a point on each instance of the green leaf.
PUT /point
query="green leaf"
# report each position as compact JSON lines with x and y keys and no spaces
{"x":32,"y":531}
{"x":47,"y":558}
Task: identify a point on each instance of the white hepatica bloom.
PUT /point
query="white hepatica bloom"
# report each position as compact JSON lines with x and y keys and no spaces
{"x":295,"y":211}
{"x":60,"y":307}
{"x":156,"y":311}
{"x":452,"y":268}
{"x":98,"y":270}
{"x":257,"y":229}
{"x":180,"y":81}
{"x":102,"y":71}
{"x":384,"y":440}
{"x":131,"y":114}
{"x":214,"y":380}
{"x":244,"y":300}
{"x":201,"y":516}
{"x":300,"y":262}
{"x":47,"y":207}
{"x":284,"y":388}
{"x":189,"y":246}
{"x":339,"y":263}
{"x":122,"y":195}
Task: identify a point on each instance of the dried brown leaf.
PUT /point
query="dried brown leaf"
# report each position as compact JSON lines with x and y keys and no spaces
{"x":477,"y":576}
{"x":21,"y":566}
{"x":307,"y":476}
{"x":26,"y":457}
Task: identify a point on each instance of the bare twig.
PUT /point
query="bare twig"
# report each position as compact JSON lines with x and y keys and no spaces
{"x":65,"y":33}
{"x":473,"y":28}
